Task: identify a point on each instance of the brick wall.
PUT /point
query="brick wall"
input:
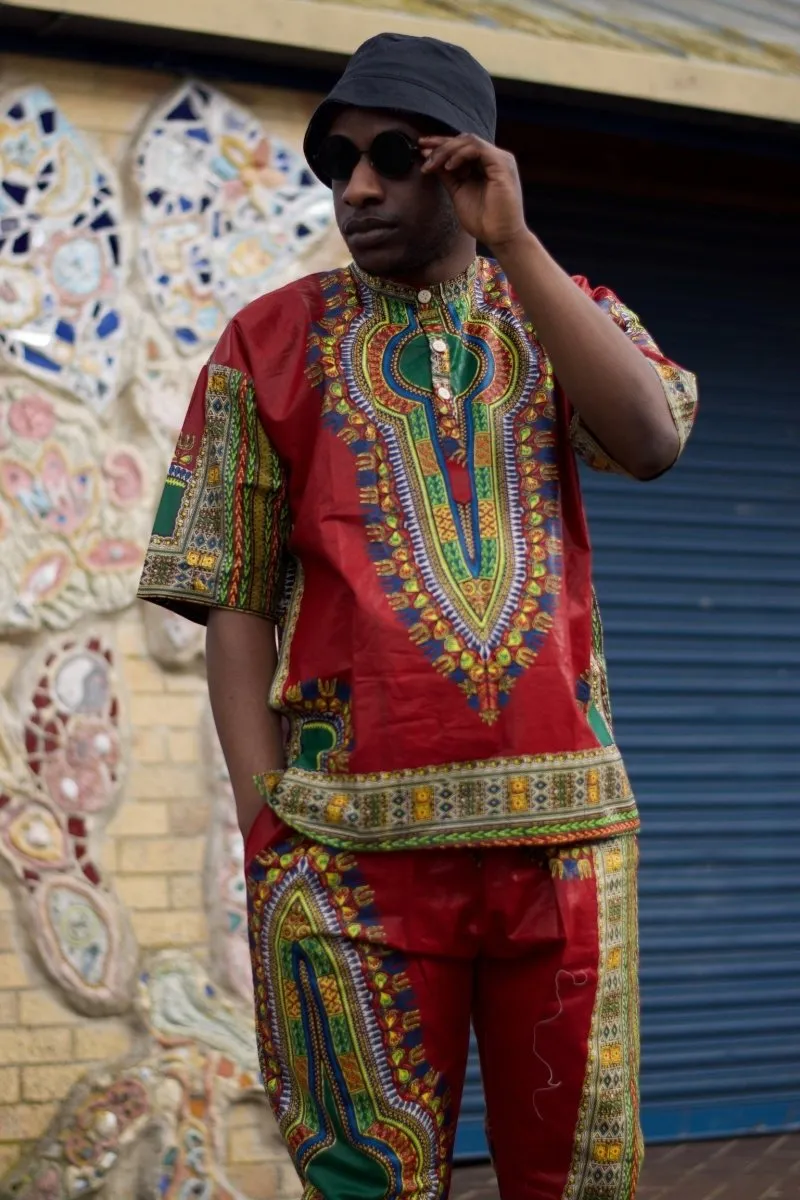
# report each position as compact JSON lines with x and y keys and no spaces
{"x":155,"y":845}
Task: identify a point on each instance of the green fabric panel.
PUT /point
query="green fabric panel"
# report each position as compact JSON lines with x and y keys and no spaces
{"x":483,"y":483}
{"x":489,"y":553}
{"x":418,"y":423}
{"x":315,"y":740}
{"x":436,"y":489}
{"x":414,"y":364}
{"x":480,"y":417}
{"x":464,"y":365}
{"x":599,"y":727}
{"x":455,"y":561}
{"x":398,"y":310}
{"x":342,"y":1171}
{"x":168,"y":509}
{"x":298,"y":1038}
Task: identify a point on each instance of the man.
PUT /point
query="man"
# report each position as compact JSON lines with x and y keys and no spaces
{"x":380,"y":463}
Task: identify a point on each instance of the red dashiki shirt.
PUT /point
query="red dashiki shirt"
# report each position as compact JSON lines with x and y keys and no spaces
{"x":390,"y":476}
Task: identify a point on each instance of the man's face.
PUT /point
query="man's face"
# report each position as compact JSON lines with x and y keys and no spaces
{"x":392,"y":227}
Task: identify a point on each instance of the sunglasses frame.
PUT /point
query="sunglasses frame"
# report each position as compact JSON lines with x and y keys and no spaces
{"x":414,"y":155}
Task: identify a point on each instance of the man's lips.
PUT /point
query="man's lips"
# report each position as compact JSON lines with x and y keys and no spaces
{"x":358,"y":227}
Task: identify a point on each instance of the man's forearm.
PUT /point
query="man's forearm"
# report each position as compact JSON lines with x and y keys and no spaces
{"x":241,"y":657}
{"x":606,"y":378}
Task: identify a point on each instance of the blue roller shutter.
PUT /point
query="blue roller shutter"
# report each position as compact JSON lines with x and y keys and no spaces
{"x":698,"y":576}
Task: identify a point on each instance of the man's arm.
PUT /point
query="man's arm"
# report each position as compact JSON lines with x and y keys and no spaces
{"x":608,"y":380}
{"x":241,"y":656}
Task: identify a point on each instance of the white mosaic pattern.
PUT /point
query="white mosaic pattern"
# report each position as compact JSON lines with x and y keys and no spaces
{"x":226,"y":212}
{"x":60,"y":252}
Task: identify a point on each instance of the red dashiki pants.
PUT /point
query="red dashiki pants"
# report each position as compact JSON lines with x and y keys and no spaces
{"x":368,"y":970}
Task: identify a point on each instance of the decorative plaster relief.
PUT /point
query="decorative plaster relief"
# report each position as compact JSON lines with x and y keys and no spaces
{"x":60,"y":251}
{"x":227,"y":212}
{"x":153,"y":1124}
{"x":74,"y":513}
{"x":68,"y":750}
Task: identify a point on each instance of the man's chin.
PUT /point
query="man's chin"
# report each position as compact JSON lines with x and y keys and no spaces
{"x":378,"y":260}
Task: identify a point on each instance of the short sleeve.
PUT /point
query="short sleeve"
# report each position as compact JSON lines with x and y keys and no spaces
{"x":220,"y":531}
{"x":680,"y":386}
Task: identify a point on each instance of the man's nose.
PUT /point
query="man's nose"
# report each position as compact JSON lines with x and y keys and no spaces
{"x":364,"y":186}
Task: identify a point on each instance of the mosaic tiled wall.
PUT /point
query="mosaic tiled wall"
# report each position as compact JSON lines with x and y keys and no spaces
{"x":137,"y":214}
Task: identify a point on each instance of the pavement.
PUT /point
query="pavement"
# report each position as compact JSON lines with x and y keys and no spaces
{"x":756,"y":1168}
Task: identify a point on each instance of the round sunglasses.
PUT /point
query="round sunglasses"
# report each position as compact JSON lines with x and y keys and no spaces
{"x":392,"y":154}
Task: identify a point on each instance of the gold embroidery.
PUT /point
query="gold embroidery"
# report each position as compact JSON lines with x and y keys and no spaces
{"x":608,"y":1149}
{"x":543,"y":798}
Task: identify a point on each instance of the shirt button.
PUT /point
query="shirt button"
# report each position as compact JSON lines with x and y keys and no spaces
{"x":443,"y":393}
{"x":424,"y":296}
{"x":439,"y":345}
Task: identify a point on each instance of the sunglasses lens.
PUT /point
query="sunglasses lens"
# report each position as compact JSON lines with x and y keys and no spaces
{"x":337,"y":158}
{"x":392,"y":154}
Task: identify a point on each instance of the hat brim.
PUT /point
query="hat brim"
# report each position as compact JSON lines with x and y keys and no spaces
{"x":382,"y":93}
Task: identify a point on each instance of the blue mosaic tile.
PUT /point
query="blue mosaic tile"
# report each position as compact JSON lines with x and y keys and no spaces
{"x":227,"y":212}
{"x":60,"y":270}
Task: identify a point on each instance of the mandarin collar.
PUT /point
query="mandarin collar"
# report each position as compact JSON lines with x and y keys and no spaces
{"x":447,"y":291}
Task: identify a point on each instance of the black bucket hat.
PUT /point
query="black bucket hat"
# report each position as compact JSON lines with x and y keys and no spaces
{"x":420,"y":76}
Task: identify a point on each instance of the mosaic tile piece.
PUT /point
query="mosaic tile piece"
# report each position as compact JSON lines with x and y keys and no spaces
{"x":227,"y":212}
{"x":60,"y":252}
{"x":35,"y":835}
{"x":74,"y":517}
{"x":153,"y":1124}
{"x":77,"y":927}
{"x":64,"y":728}
{"x":225,"y":886}
{"x":71,"y":727}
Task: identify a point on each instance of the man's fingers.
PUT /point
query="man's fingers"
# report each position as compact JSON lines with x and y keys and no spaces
{"x":452,"y":154}
{"x":438,"y":139}
{"x":434,"y":150}
{"x":436,"y":159}
{"x":464,"y":155}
